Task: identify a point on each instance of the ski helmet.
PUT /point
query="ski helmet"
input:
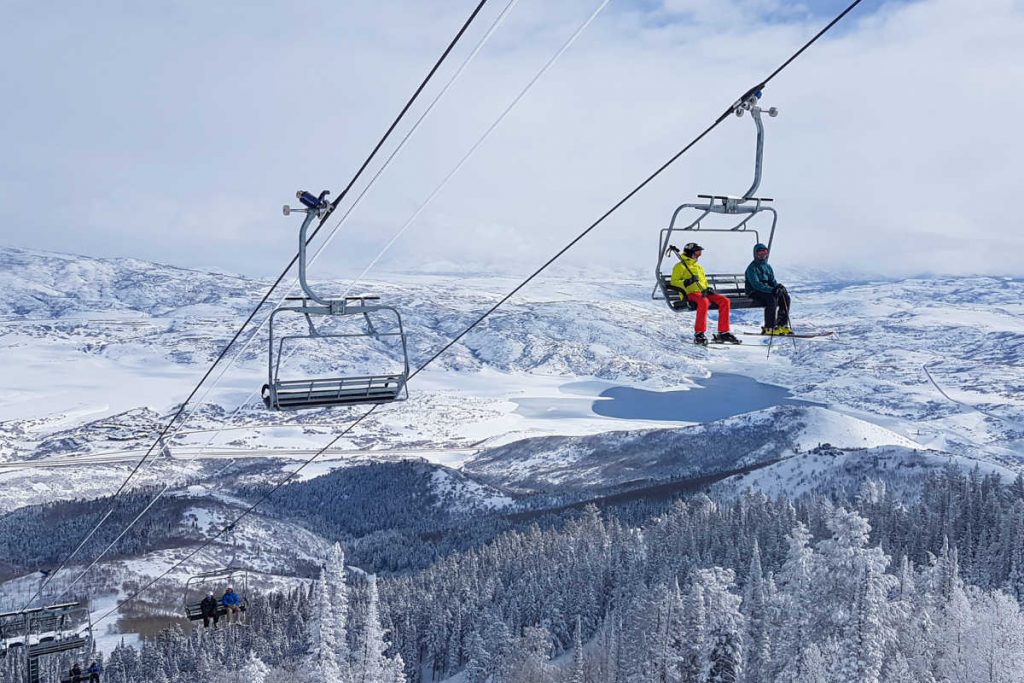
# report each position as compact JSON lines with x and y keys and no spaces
{"x":690,"y":247}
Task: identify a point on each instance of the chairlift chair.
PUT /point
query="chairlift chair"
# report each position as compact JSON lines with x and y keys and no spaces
{"x":198,"y":585}
{"x":43,"y":631}
{"x":339,"y":390}
{"x":747,"y":207}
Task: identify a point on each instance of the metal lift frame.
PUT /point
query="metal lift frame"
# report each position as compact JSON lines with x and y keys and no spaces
{"x":332,"y":391}
{"x":730,"y":285}
{"x":30,"y":624}
{"x":193,"y":612}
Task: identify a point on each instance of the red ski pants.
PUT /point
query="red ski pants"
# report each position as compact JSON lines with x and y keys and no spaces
{"x":703,"y":302}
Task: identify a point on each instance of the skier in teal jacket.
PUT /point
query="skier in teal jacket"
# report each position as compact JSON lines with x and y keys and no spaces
{"x":762,"y":287}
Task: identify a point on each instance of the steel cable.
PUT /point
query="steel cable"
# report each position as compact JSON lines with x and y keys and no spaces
{"x":629,"y":195}
{"x":238,"y":333}
{"x":480,"y":44}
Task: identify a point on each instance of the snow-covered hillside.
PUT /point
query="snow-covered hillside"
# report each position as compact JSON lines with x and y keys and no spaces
{"x":517,"y":420}
{"x":100,"y":351}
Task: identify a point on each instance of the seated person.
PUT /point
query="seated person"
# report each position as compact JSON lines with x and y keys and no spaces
{"x":762,"y":287}
{"x":688,"y":276}
{"x":232,"y":605}
{"x":208,"y":608}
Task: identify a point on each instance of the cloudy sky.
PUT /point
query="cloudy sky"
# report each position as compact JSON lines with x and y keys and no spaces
{"x":174,"y":131}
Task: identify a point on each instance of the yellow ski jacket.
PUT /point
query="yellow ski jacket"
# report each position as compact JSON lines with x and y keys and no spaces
{"x":688,"y":275}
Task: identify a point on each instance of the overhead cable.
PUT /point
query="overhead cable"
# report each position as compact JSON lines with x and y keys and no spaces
{"x":629,"y":195}
{"x":160,"y":439}
{"x":480,"y":44}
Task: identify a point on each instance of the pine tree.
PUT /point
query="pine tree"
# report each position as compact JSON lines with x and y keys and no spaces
{"x":323,"y":657}
{"x":874,"y":637}
{"x":253,"y":671}
{"x":758,"y":634}
{"x":791,"y":606}
{"x":723,"y":657}
{"x":371,"y":662}
{"x":695,"y":634}
{"x":577,"y":673}
{"x":478,"y":662}
{"x":812,"y":666}
{"x":337,"y":594}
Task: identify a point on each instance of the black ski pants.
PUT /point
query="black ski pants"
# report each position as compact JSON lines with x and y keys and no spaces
{"x":776,"y":307}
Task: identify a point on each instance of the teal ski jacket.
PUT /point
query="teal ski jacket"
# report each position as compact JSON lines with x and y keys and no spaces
{"x":759,"y":275}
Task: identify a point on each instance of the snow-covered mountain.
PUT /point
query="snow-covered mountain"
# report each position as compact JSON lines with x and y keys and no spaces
{"x":550,"y":402}
{"x":90,"y":339}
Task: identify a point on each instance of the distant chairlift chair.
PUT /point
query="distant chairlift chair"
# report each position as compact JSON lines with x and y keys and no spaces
{"x":44,"y":631}
{"x":216,"y":581}
{"x":730,"y":285}
{"x":341,"y":390}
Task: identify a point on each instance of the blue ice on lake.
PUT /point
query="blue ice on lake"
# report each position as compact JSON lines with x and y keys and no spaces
{"x":719,"y":396}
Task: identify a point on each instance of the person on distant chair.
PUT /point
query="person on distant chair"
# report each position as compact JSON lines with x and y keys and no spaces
{"x":94,"y":671}
{"x":762,"y":287}
{"x":232,"y":605}
{"x":208,"y":608}
{"x":76,"y":672}
{"x":688,"y":276}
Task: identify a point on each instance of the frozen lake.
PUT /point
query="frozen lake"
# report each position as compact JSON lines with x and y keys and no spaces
{"x":717,"y":397}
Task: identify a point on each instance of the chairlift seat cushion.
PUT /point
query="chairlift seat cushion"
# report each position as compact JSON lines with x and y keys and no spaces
{"x":729,"y":286}
{"x":338,"y":391}
{"x":194,"y":611}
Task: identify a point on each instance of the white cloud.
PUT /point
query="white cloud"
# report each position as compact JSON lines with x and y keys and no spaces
{"x":175,"y":133}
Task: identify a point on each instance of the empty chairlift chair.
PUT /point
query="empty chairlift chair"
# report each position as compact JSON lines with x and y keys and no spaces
{"x":336,"y":389}
{"x":746,"y":208}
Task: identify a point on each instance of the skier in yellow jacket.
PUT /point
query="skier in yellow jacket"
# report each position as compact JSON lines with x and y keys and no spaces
{"x":688,"y":277}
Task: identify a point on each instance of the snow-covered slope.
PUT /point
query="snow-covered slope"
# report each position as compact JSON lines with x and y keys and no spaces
{"x":750,"y":441}
{"x":99,"y":351}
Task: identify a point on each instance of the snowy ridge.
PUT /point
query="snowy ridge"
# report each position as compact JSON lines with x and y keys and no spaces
{"x":829,"y":470}
{"x":462,"y":494}
{"x":790,"y":451}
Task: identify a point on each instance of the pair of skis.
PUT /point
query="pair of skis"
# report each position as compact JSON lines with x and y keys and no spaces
{"x":799,"y":335}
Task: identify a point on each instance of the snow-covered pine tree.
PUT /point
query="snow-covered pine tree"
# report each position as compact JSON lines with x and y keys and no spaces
{"x":371,"y":664}
{"x":337,"y":593}
{"x":323,"y":666}
{"x":789,"y":610}
{"x":577,"y":673}
{"x":478,"y":659}
{"x":723,"y":650}
{"x":253,"y":670}
{"x":695,"y":627}
{"x":875,"y":636}
{"x":755,"y":608}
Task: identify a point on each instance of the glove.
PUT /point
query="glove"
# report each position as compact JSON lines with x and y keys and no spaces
{"x":708,"y":292}
{"x":778,"y":289}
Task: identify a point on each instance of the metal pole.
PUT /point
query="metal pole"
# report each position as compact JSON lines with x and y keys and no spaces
{"x":755,"y":113}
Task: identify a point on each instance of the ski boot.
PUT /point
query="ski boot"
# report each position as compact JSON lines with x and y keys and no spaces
{"x":767,"y":331}
{"x":783,"y":330}
{"x":725,"y":338}
{"x":700,"y":339}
